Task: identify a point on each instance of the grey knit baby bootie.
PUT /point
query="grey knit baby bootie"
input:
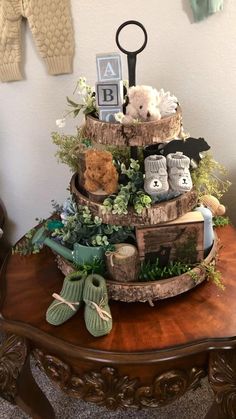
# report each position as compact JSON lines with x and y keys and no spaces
{"x":179,"y":175}
{"x":67,"y":303}
{"x":97,"y":314}
{"x":156,"y":178}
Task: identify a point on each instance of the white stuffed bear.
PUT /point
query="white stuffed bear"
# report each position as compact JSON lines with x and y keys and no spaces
{"x":147,"y":104}
{"x":142,"y":105}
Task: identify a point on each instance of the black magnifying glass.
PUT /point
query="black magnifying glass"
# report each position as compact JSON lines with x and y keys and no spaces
{"x":131,"y":55}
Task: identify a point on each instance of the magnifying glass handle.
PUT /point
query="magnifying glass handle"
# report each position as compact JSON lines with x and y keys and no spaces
{"x":132,"y":69}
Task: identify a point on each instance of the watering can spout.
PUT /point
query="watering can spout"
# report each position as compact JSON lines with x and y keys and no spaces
{"x":40,"y":237}
{"x":61,"y":250}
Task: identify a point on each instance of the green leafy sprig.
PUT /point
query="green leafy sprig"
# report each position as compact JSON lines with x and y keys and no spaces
{"x":88,"y":101}
{"x":214,"y":275}
{"x":97,"y":266}
{"x":131,"y":194}
{"x":25,"y":247}
{"x":209,"y":177}
{"x":70,"y":147}
{"x":221,"y":221}
{"x":80,"y":226}
{"x":152,"y":271}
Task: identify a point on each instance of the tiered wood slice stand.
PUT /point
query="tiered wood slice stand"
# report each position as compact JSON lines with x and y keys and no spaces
{"x":138,"y":134}
{"x":141,"y":134}
{"x":158,"y":213}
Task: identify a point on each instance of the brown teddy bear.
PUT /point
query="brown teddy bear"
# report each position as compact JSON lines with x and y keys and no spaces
{"x":100,"y":172}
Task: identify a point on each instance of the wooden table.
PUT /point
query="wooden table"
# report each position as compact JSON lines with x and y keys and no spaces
{"x":2,"y":249}
{"x":152,"y":356}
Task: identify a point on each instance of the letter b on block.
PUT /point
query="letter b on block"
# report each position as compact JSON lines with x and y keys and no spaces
{"x":109,"y":94}
{"x":108,"y":67}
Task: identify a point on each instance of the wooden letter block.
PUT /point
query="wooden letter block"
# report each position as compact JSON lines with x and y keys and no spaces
{"x":107,"y":114}
{"x":109,"y":94}
{"x":181,"y":239}
{"x":109,"y":67}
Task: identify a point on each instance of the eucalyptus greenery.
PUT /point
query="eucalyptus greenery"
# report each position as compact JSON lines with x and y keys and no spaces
{"x":131,"y":194}
{"x":209,"y":177}
{"x":87,"y":102}
{"x":70,"y":147}
{"x":80,"y":226}
{"x":25,"y":247}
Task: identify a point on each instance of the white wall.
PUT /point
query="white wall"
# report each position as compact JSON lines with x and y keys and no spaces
{"x":197,"y":62}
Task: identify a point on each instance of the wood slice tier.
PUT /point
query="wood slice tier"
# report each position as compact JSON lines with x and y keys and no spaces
{"x":137,"y":134}
{"x":153,"y":290}
{"x":156,"y":214}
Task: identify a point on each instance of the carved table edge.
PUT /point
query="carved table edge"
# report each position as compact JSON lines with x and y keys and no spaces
{"x":106,"y":387}
{"x":222,"y":379}
{"x":13,"y":354}
{"x":61,"y":347}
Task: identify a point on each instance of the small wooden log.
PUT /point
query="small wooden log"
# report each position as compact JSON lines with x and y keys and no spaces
{"x":136,"y":134}
{"x":123,"y":264}
{"x":156,"y":214}
{"x":97,"y":196}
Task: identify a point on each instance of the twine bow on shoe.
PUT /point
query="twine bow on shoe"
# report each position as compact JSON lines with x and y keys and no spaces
{"x":103,"y":314}
{"x":62,"y":300}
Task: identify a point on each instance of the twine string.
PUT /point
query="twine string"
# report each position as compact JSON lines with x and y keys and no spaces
{"x":111,"y":255}
{"x":62,"y":300}
{"x":103,"y":314}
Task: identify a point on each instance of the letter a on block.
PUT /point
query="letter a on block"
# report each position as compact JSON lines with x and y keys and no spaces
{"x":109,"y":67}
{"x":109,"y":72}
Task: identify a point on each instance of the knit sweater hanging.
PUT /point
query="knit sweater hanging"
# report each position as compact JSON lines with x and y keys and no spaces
{"x":51,"y":26}
{"x":204,"y":8}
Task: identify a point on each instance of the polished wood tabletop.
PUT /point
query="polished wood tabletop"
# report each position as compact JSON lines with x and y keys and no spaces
{"x":203,"y":316}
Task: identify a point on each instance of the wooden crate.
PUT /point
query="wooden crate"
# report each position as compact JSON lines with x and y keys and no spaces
{"x":181,"y":239}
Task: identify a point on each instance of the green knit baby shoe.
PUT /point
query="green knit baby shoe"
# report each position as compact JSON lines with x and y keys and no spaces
{"x":97,"y":313}
{"x":68,"y":302}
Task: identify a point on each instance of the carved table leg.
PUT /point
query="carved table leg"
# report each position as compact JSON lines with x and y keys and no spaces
{"x":17,"y":384}
{"x":222,"y":378}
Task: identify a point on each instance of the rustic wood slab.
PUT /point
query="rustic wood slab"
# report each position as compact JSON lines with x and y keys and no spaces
{"x":137,"y":134}
{"x":158,"y":213}
{"x":150,"y":291}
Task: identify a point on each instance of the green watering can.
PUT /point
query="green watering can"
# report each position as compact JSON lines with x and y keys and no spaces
{"x":79,"y":255}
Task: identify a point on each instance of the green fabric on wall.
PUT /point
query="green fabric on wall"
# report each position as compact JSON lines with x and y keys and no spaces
{"x":204,"y":8}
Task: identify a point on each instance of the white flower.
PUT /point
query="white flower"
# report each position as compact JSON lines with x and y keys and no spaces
{"x":167,"y":103}
{"x":61,"y":123}
{"x":119,"y":117}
